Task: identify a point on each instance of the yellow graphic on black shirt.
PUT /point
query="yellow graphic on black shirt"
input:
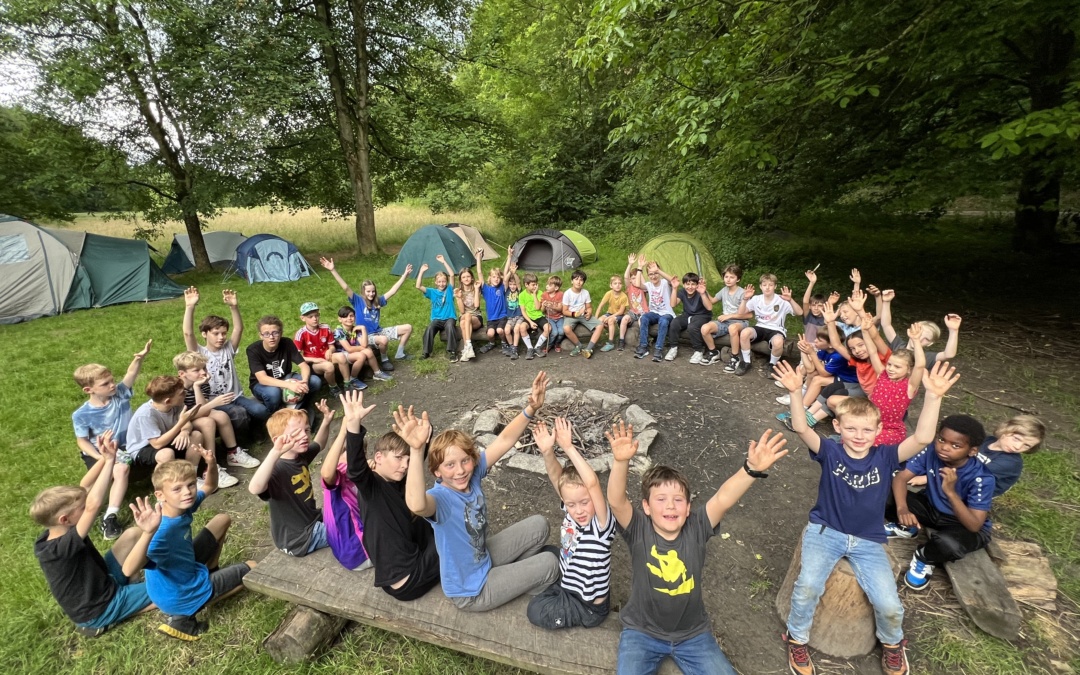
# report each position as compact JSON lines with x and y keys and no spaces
{"x":671,"y":570}
{"x":303,"y":479}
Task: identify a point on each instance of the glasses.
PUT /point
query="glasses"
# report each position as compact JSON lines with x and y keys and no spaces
{"x":271,"y":334}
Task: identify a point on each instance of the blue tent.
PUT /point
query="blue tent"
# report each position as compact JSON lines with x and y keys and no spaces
{"x":266,"y":257}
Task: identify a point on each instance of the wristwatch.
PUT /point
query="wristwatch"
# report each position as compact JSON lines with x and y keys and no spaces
{"x":751,"y":472}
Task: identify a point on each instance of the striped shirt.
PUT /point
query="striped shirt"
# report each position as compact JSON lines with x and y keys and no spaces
{"x":585,"y":557}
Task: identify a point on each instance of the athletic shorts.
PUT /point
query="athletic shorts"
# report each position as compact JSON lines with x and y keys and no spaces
{"x":573,"y":321}
{"x":765,"y":334}
{"x":513,"y":322}
{"x":497,"y":324}
{"x":390,"y":333}
{"x":130,"y":599}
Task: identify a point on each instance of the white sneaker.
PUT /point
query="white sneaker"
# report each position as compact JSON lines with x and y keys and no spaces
{"x":671,"y":354}
{"x":225,"y":479}
{"x":778,"y":383}
{"x":467,"y":352}
{"x":695,"y":358}
{"x":784,"y":400}
{"x":241,"y":458}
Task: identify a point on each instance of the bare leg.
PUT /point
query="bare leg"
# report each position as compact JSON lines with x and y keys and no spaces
{"x":404,"y":332}
{"x":125,"y":543}
{"x":706,"y":335}
{"x":327,"y":371}
{"x":341,"y":361}
{"x":568,"y":331}
{"x":205,"y":430}
{"x":119,"y":485}
{"x":224,"y":427}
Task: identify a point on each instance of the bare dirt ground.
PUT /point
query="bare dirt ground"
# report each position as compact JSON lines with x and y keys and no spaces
{"x":706,"y":419}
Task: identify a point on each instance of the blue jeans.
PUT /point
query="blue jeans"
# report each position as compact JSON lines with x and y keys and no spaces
{"x":822,"y":548}
{"x":648,"y":319}
{"x":253,"y":408}
{"x":641,"y":654}
{"x":271,"y":397}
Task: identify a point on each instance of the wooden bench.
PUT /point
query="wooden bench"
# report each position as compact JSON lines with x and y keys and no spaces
{"x":505,"y":635}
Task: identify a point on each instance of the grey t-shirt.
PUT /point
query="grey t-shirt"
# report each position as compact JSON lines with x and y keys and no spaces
{"x":730,"y":301}
{"x":221,"y":367}
{"x":665,"y":585}
{"x":147,"y":423}
{"x":900,"y":342}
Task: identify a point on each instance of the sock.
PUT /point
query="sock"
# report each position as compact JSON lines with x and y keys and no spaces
{"x":810,"y":419}
{"x":541,"y":341}
{"x":774,"y":359}
{"x":111,"y":510}
{"x":229,"y":451}
{"x":745,"y":355}
{"x":400,"y":353}
{"x":591,"y":345}
{"x":528,"y":342}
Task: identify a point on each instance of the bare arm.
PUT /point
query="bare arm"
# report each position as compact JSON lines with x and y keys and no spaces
{"x":420,"y":277}
{"x":952,"y":322}
{"x":915,"y":379}
{"x":513,"y":431}
{"x":416,"y":496}
{"x":328,"y":263}
{"x":147,"y":519}
{"x":886,"y":314}
{"x":936,"y":382}
{"x":811,"y":278}
{"x":136,"y":365}
{"x":261,"y":479}
{"x":97,"y":495}
{"x":328,"y":471}
{"x":229,"y":297}
{"x":397,"y":284}
{"x":323,"y":433}
{"x":763,"y":454}
{"x":545,"y":443}
{"x":564,"y":437}
{"x":182,"y":424}
{"x":970,"y":518}
{"x":191,"y":298}
{"x":792,"y":381}
{"x":623,"y":449}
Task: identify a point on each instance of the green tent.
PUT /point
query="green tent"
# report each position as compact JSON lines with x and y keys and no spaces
{"x":678,"y":253}
{"x":45,"y":271}
{"x":584,"y":246}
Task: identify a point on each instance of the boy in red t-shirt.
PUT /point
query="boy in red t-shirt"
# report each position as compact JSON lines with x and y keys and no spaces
{"x":316,"y":344}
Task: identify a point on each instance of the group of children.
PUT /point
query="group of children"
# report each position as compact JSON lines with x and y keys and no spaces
{"x":377,"y":511}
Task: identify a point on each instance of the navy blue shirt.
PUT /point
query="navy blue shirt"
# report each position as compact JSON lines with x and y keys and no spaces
{"x":1006,"y":466}
{"x":852,"y":492}
{"x":974,"y":482}
{"x":836,"y":364}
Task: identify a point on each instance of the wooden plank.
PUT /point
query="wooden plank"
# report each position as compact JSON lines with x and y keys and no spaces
{"x":503,"y":635}
{"x":982,"y":592}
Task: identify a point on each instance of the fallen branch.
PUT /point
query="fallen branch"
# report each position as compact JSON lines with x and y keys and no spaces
{"x":1022,"y":409}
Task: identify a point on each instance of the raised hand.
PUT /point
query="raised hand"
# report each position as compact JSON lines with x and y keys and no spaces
{"x":145,"y":350}
{"x":804,"y":345}
{"x":352,"y":406}
{"x":811,"y":276}
{"x":323,"y":407}
{"x":867,"y":324}
{"x":855,"y":276}
{"x":765,"y":451}
{"x":440,"y":258}
{"x":834,"y":298}
{"x":413,"y":430}
{"x":564,"y":433}
{"x":748,"y":291}
{"x":479,"y":252}
{"x":873,"y":290}
{"x":423,"y":268}
{"x":147,"y":516}
{"x":191,"y":296}
{"x":205,"y":453}
{"x":914,"y":333}
{"x":631,"y":259}
{"x":107,"y":445}
{"x":622,"y":442}
{"x":828,"y":312}
{"x":791,"y":378}
{"x":939,"y":379}
{"x":952,"y":321}
{"x":701,"y":284}
{"x":545,"y":442}
{"x":408,"y":269}
{"x":888,"y":295}
{"x":327,"y":263}
{"x":785,"y":293}
{"x":857,"y":300}
{"x":539,"y":391}
{"x":228,"y":296}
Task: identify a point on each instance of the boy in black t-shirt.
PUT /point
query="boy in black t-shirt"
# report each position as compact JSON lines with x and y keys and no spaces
{"x":665,"y":615}
{"x":284,"y":481}
{"x":92,"y":590}
{"x":271,"y":362}
{"x":697,"y":311}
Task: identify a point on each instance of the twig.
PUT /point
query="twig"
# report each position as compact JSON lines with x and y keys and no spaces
{"x":1006,"y":405}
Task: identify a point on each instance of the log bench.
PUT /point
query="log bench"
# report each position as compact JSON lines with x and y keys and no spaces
{"x":504,"y":635}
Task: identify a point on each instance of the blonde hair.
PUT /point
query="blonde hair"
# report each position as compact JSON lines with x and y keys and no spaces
{"x":444,"y":275}
{"x":933,"y":328}
{"x":907,"y":355}
{"x":189,"y":360}
{"x":174,"y":471}
{"x":54,"y":502}
{"x":1024,"y":425}
{"x":767,"y":277}
{"x":275,"y":426}
{"x":441,"y":443}
{"x":162,"y":387}
{"x":569,"y":476}
{"x":858,"y":407}
{"x":88,"y":375}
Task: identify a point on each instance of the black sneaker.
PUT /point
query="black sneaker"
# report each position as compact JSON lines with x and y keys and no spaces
{"x":712,"y":356}
{"x":386,"y":366}
{"x":454,"y":357}
{"x":513,"y":355}
{"x":657,"y":357}
{"x":770,"y":370}
{"x":88,"y":632}
{"x":732,"y":364}
{"x":621,"y":346}
{"x":487,"y":348}
{"x":530,"y":354}
{"x":110,"y":527}
{"x":742,"y":368}
{"x":185,"y":628}
{"x":640,"y":353}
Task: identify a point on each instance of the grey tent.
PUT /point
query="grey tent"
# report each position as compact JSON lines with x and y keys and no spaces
{"x":546,"y":250}
{"x":45,"y":271}
{"x":220,"y":247}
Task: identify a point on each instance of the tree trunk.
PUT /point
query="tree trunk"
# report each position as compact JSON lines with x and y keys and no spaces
{"x":1037,"y":203}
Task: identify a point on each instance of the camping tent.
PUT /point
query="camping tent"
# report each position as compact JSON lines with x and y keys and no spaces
{"x":474,"y":240}
{"x":678,"y":253}
{"x":583,"y":246}
{"x":428,"y":242}
{"x":44,"y":271}
{"x":267,"y":257}
{"x":220,"y":246}
{"x":546,"y":251}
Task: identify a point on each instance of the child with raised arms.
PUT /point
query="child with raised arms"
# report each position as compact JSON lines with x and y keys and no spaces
{"x":367,"y":307}
{"x":894,"y":393}
{"x":633,"y":280}
{"x":443,"y":309}
{"x":467,"y":299}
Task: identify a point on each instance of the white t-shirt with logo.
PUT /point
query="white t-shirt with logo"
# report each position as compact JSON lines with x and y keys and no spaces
{"x":770,"y":314}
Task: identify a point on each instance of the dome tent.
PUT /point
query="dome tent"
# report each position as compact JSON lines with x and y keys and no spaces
{"x":583,"y":245}
{"x":267,"y":257}
{"x":44,"y":272}
{"x":546,"y":250}
{"x":474,"y":240}
{"x":428,"y":242}
{"x":220,"y":247}
{"x":678,"y":253}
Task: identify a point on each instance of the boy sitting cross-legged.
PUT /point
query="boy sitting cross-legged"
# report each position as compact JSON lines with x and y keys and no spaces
{"x":92,"y":590}
{"x":108,"y":408}
{"x":354,"y":350}
{"x":582,"y":595}
{"x":846,"y":520}
{"x":665,"y":615}
{"x":212,"y":420}
{"x":271,"y":361}
{"x":182,"y":574}
{"x":161,"y":429}
{"x":284,"y":481}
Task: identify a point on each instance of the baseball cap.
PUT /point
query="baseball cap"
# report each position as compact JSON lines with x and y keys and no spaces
{"x":308,"y":307}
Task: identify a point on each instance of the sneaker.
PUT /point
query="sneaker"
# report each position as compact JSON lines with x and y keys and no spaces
{"x":671,"y":354}
{"x":710,"y":357}
{"x":558,"y":348}
{"x":454,"y":358}
{"x":784,"y":400}
{"x":608,"y":346}
{"x":185,"y":628}
{"x":403,"y":357}
{"x":110,"y":527}
{"x":798,"y":658}
{"x":769,"y":370}
{"x":425,"y":355}
{"x":541,"y":352}
{"x":240,"y":457}
{"x":487,"y":348}
{"x":640,"y":353}
{"x":743,"y":368}
{"x":88,"y":632}
{"x":386,"y":366}
{"x":382,"y":376}
{"x":918,"y":574}
{"x":894,"y":659}
{"x":530,"y":353}
{"x":787,"y":423}
{"x":514,"y":355}
{"x":657,"y":357}
{"x":335,"y":391}
{"x":898,"y":531}
{"x":576,"y":350}
{"x":587,"y":353}
{"x":508,"y":350}
{"x":360,"y":385}
{"x":732,"y":364}
{"x":225,"y":479}
{"x":786,"y":415}
{"x":467,"y":352}
{"x":695,"y":358}
{"x":622,"y":345}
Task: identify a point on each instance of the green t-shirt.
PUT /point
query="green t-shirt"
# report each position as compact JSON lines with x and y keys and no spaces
{"x":530,"y":304}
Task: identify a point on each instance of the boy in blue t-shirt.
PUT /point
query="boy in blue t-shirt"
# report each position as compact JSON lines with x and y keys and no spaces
{"x":179,"y":579}
{"x":443,"y":309}
{"x":956,"y":501}
{"x":495,"y":303}
{"x":846,"y":520}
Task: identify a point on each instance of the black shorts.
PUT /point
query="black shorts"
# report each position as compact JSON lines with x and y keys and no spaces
{"x":764,"y":334}
{"x":833,"y":389}
{"x":423,"y":578}
{"x":496,"y":324}
{"x":146,"y":457}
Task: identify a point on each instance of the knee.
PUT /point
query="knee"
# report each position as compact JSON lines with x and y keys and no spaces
{"x":405,"y":329}
{"x":948,"y":546}
{"x":120,"y":471}
{"x":164,"y":455}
